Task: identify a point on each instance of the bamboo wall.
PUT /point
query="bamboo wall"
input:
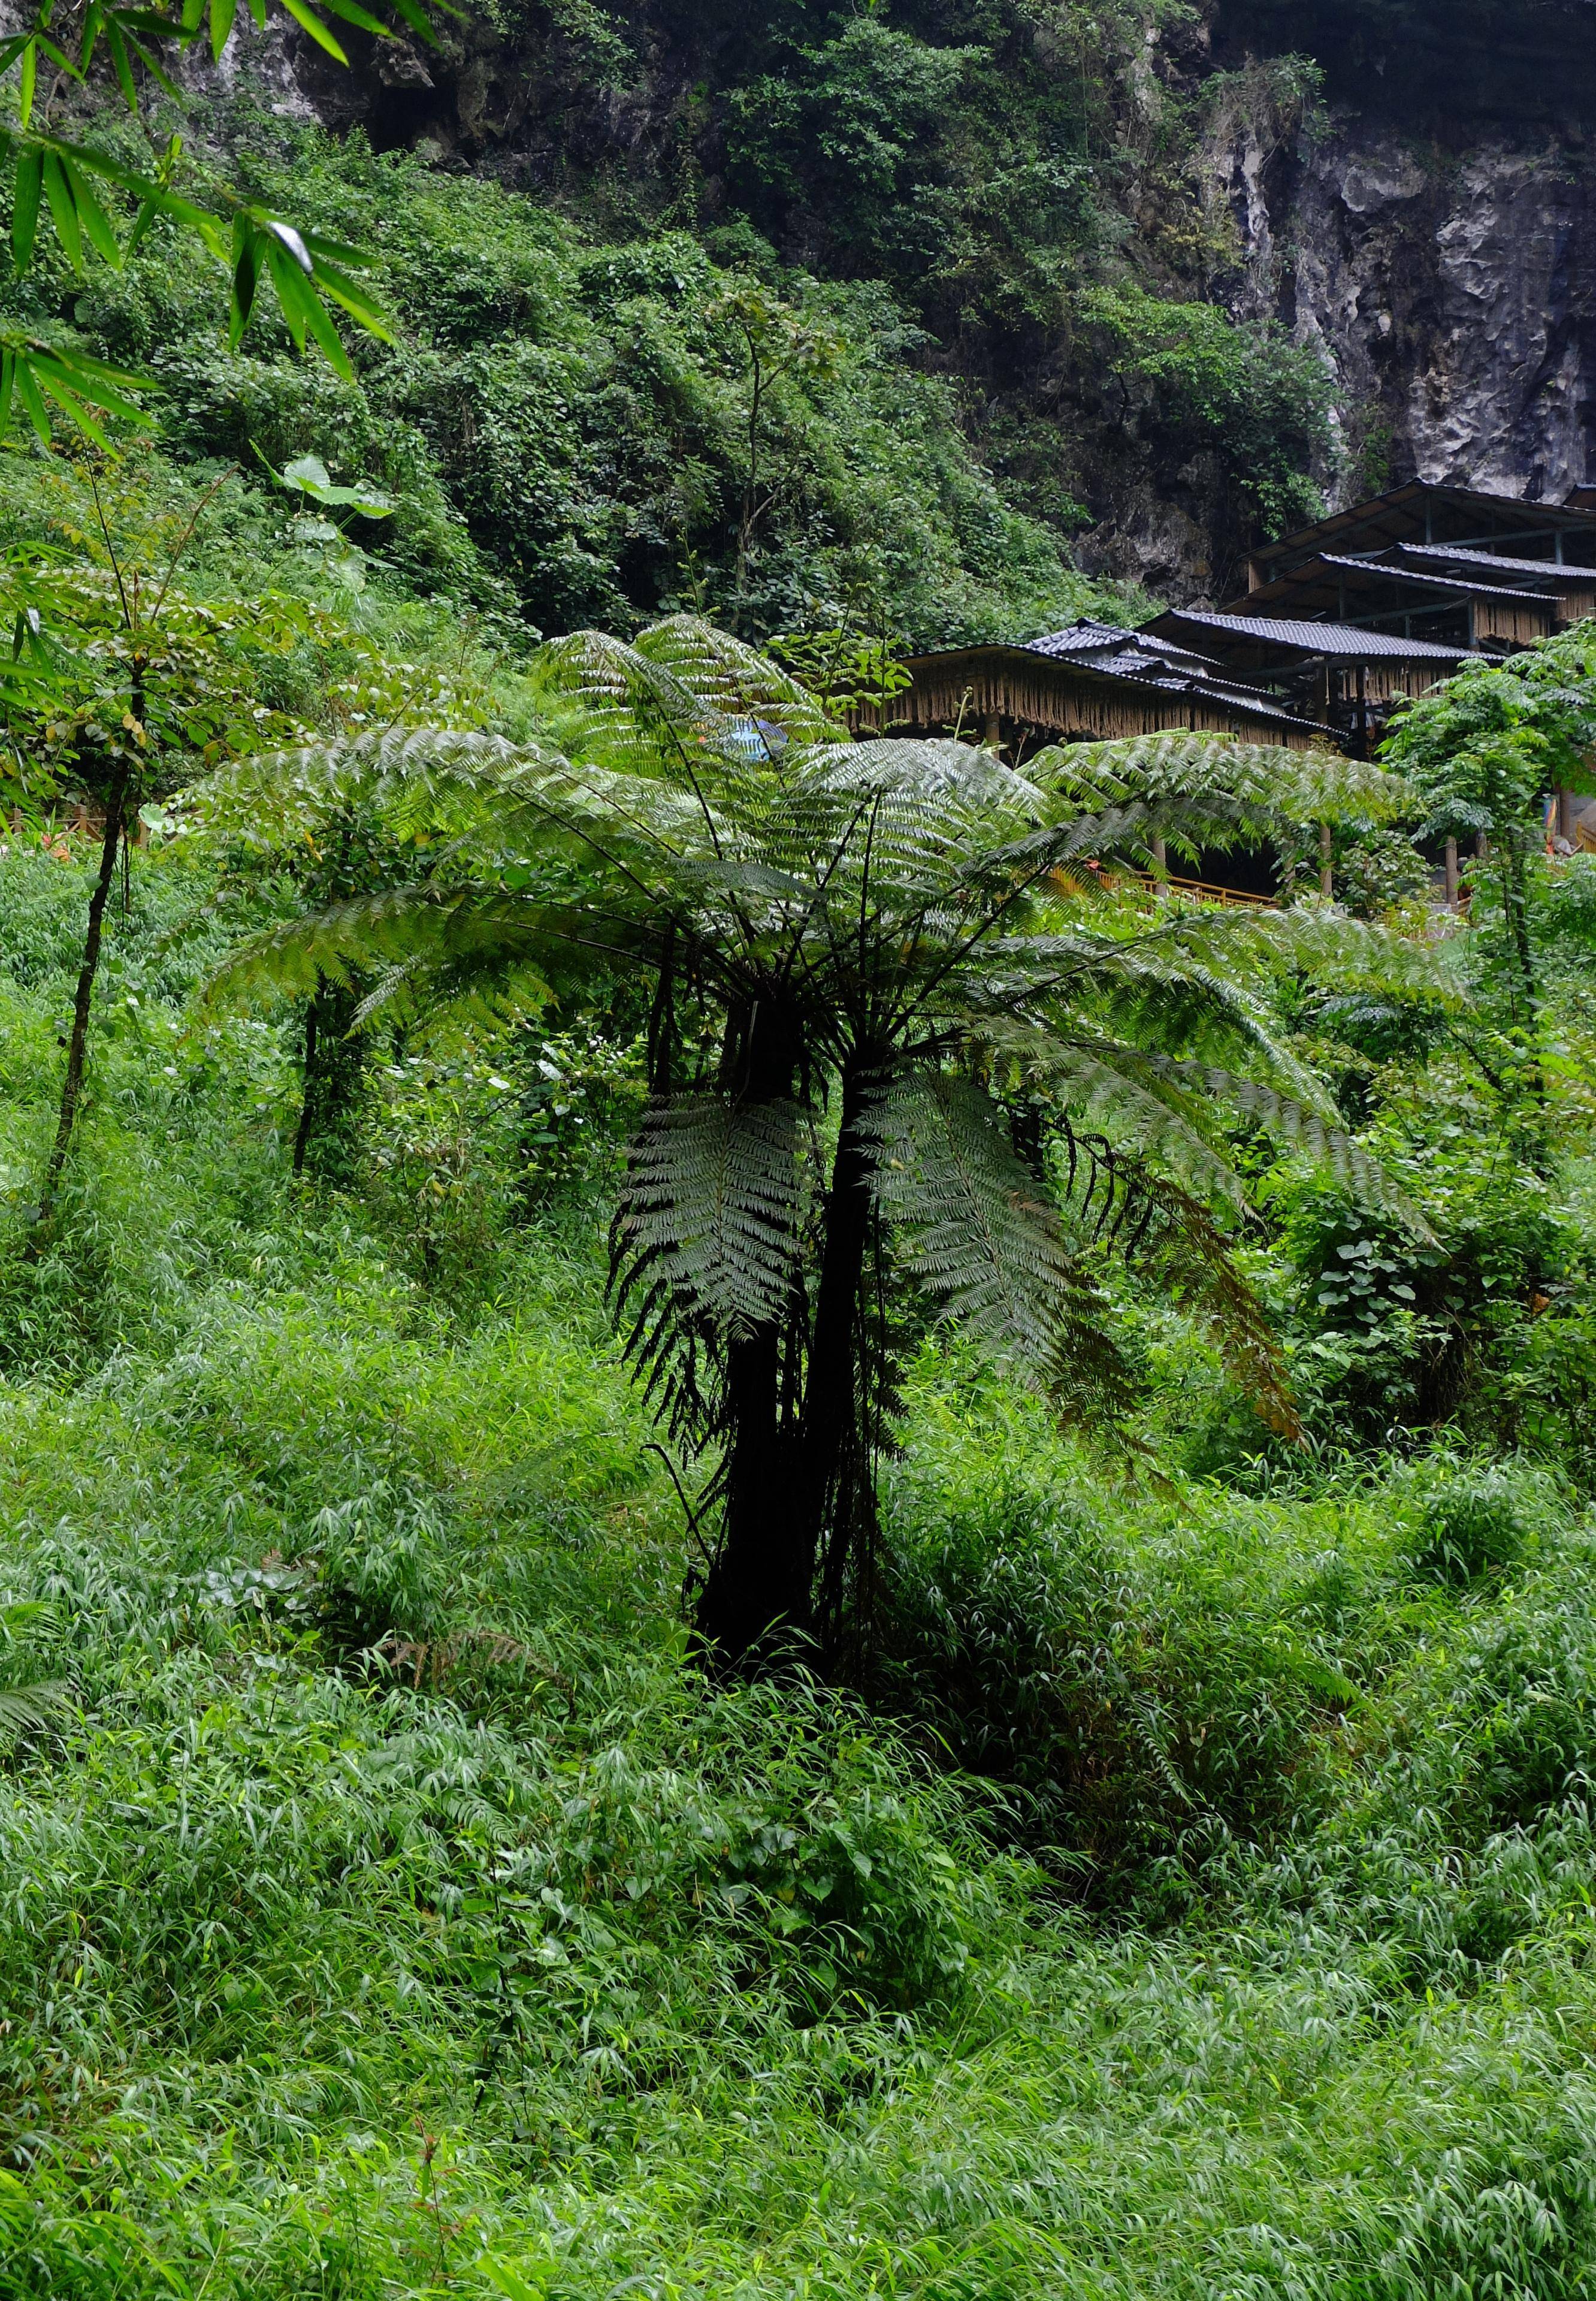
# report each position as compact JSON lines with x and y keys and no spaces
{"x":1059,"y":700}
{"x":1516,"y":621}
{"x":1385,"y":680}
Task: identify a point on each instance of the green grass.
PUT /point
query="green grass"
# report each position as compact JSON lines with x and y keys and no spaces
{"x":514,"y":1960}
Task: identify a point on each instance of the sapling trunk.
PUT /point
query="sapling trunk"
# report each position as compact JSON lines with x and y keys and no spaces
{"x":1516,"y":905}
{"x":302,"y":1132}
{"x":71,"y":1085}
{"x":334,"y":1063}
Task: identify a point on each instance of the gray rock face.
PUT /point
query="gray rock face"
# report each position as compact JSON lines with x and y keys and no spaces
{"x":1454,"y":294}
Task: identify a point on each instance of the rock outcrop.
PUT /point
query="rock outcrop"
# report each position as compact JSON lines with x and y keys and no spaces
{"x":1444,"y":258}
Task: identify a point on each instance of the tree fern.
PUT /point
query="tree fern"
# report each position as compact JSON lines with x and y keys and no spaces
{"x":872,"y":929}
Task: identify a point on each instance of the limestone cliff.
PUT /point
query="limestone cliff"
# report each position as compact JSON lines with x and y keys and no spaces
{"x":1433,"y":228}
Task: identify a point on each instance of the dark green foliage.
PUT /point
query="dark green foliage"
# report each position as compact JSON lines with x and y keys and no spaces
{"x":1474,"y":1525}
{"x":561,"y":423}
{"x":1258,"y":401}
{"x":1141,"y":1713}
{"x":384,"y":1835}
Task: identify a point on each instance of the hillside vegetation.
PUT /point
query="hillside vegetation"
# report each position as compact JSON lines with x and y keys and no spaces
{"x":390,"y":1910}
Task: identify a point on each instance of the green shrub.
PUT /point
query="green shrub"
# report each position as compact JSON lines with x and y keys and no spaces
{"x":1478,"y":1519}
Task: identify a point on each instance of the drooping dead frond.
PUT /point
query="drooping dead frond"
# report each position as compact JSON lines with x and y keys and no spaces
{"x":1169,"y":1238}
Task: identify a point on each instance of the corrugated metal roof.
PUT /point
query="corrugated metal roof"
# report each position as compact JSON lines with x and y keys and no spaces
{"x":1390,"y":504}
{"x":1321,"y":639}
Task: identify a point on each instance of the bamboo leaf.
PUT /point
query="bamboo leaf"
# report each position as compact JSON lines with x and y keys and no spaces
{"x":24,"y":220}
{"x":27,"y":392}
{"x":58,"y":192}
{"x":91,"y":215}
{"x":309,"y":21}
{"x":120,"y":66}
{"x":246,"y":276}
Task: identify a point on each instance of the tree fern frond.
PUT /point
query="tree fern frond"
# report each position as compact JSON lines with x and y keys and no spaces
{"x":934,"y":769}
{"x":1148,"y":992}
{"x":1316,"y":786}
{"x":1291,"y":1122}
{"x":633,"y":711}
{"x":709,"y":1213}
{"x":1168,"y":1124}
{"x":420,"y":929}
{"x":982,"y":1237}
{"x":733,"y":679}
{"x":1340,"y":952}
{"x":1171,"y":1109}
{"x":408,"y":773}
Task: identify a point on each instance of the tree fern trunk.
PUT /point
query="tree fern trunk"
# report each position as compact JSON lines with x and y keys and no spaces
{"x":833,"y":1460}
{"x":333,"y":1075}
{"x":788,"y":1487}
{"x":756,"y":1597}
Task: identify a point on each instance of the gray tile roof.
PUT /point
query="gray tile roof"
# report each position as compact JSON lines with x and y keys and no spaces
{"x":1319,"y":639}
{"x":1451,"y":555}
{"x":1434,"y":582}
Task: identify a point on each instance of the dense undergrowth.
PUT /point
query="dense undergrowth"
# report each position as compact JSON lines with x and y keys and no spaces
{"x":396,"y":1911}
{"x":564,"y":423}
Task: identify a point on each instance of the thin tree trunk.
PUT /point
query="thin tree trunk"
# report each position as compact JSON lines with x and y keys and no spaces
{"x":307,"y":1089}
{"x":1516,"y":903}
{"x":71,"y":1085}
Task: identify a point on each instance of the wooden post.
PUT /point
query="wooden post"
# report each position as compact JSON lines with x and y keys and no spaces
{"x":1566,"y":807}
{"x":1451,"y":874}
{"x":1327,"y":874}
{"x":993,"y":737}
